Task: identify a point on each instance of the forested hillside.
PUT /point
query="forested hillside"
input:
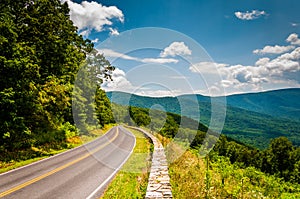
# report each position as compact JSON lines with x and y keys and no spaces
{"x":279,"y":161}
{"x":279,"y":103}
{"x":40,"y":56}
{"x":253,"y":128}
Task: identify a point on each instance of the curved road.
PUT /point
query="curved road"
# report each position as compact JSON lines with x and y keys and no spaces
{"x":83,"y":172}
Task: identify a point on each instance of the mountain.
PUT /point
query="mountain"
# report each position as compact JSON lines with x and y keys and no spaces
{"x":282,"y":103}
{"x":279,"y":103}
{"x":252,"y":118}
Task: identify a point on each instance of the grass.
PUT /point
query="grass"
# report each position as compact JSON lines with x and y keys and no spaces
{"x":35,"y":154}
{"x":132,"y":180}
{"x":190,"y":178}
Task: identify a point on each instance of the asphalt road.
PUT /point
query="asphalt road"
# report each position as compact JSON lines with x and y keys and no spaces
{"x":83,"y":172}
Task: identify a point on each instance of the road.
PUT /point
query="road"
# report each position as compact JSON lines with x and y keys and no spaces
{"x":83,"y":172}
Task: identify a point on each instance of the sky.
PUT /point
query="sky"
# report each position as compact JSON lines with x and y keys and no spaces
{"x":213,"y":48}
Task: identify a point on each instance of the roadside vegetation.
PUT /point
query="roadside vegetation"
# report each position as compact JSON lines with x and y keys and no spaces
{"x":215,"y":176}
{"x":192,"y":177}
{"x":231,"y":170}
{"x":40,"y":57}
{"x":21,"y":158}
{"x":132,"y":180}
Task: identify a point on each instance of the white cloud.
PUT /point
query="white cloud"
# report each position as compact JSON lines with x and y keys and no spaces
{"x":113,"y":54}
{"x":274,"y":49}
{"x":159,"y":60}
{"x":158,"y":93}
{"x":288,"y":62}
{"x":294,"y":24}
{"x":95,"y":40}
{"x":265,"y":69}
{"x":179,"y":77}
{"x":206,"y":67}
{"x":176,"y":48}
{"x":89,"y":16}
{"x":247,"y":74}
{"x":119,"y":81}
{"x":114,"y":32}
{"x":124,"y":82}
{"x":293,"y":39}
{"x":262,"y":61}
{"x":294,"y":55}
{"x":254,"y":14}
{"x":267,"y":73}
{"x":226,"y":83}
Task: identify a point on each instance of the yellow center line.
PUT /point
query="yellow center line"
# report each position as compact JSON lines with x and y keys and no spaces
{"x":25,"y":184}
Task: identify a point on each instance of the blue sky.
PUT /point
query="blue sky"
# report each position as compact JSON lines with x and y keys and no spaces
{"x":218,"y":47}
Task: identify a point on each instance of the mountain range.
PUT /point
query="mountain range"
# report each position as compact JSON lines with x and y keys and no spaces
{"x":252,"y":118}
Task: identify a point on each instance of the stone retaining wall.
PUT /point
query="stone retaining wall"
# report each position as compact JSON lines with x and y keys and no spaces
{"x":159,"y":181}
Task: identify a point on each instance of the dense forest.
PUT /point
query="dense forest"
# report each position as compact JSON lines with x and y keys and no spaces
{"x":40,"y":56}
{"x":281,"y":158}
{"x":241,"y":123}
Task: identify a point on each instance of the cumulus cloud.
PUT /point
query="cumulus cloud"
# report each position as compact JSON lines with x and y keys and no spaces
{"x":293,"y":39}
{"x":88,"y":16}
{"x":254,"y":14}
{"x":262,"y":61}
{"x":266,"y":69}
{"x":279,"y":71}
{"x":226,"y":83}
{"x":119,"y":81}
{"x":176,"y":48}
{"x":248,"y":74}
{"x":274,"y":49}
{"x":266,"y":73}
{"x":113,"y":54}
{"x":288,"y":62}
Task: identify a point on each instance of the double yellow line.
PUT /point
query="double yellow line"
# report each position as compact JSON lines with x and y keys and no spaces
{"x":25,"y":184}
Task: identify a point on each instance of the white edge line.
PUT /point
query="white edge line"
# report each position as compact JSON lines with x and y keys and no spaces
{"x":53,"y":156}
{"x":114,"y":173}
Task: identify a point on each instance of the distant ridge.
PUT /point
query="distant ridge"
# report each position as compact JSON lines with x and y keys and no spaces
{"x":283,"y":103}
{"x":252,"y":118}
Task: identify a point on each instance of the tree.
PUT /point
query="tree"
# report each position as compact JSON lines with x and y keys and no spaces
{"x":90,"y":104}
{"x":139,"y":115}
{"x":103,"y":108}
{"x":280,"y":149}
{"x":171,"y":127}
{"x":40,"y":54}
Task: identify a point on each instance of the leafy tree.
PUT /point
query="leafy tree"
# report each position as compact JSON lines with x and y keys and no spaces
{"x":103,"y":108}
{"x":198,"y":140}
{"x":280,"y":149}
{"x":171,"y":126}
{"x":40,"y":55}
{"x":140,"y":116}
{"x":90,"y":104}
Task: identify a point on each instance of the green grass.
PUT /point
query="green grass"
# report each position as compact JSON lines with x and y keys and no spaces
{"x":35,"y":154}
{"x":191,"y":179}
{"x":132,"y":179}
